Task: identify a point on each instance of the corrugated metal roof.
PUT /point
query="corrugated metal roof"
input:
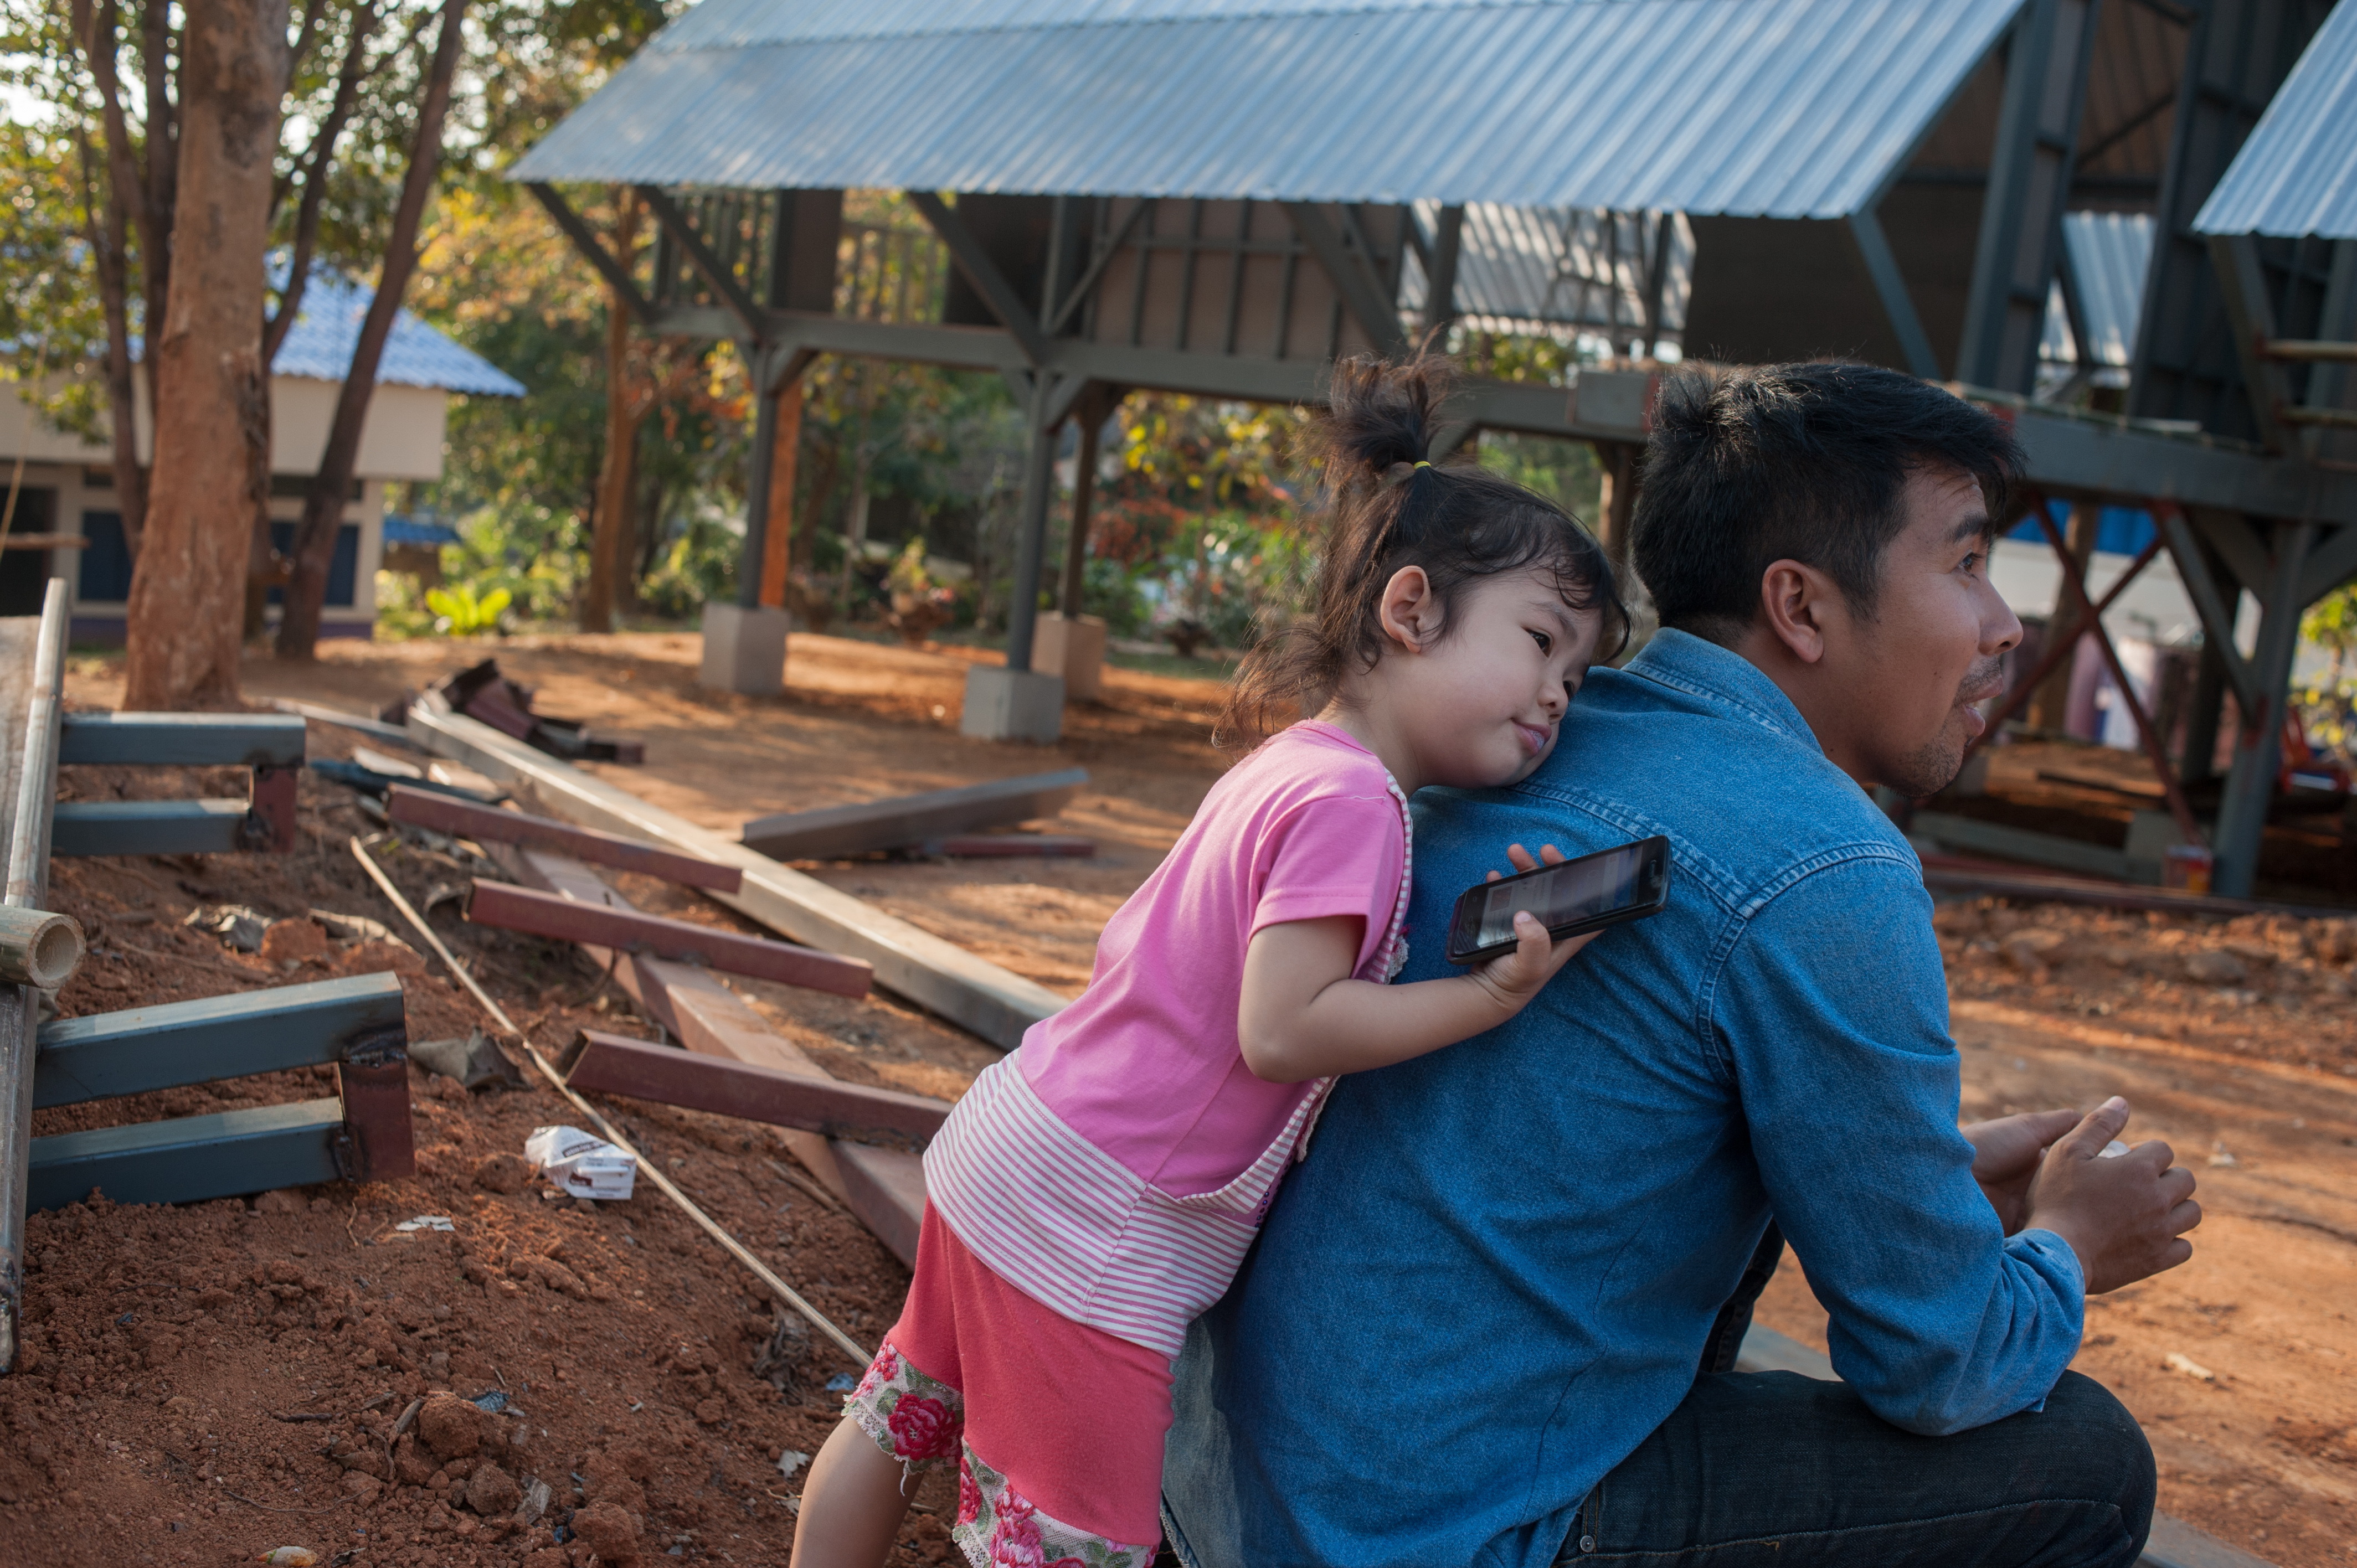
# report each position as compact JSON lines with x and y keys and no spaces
{"x":2109,"y":254}
{"x":1775,"y":108}
{"x":2297,"y":173}
{"x":1526,"y":266}
{"x":327,"y":327}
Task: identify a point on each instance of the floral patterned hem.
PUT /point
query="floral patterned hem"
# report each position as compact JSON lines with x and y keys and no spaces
{"x":998,"y":1527}
{"x":912,"y":1417}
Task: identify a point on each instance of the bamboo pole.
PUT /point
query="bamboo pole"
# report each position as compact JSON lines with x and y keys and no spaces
{"x":37,"y":948}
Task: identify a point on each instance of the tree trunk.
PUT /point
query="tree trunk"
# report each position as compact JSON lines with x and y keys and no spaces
{"x":136,"y":195}
{"x":610,"y":543}
{"x":187,"y":590}
{"x":323,"y":506}
{"x":104,"y":223}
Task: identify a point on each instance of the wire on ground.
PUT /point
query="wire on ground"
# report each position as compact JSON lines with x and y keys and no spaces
{"x":606,"y":1128}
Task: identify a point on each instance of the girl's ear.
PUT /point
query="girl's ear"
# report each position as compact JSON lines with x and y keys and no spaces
{"x":1409,"y":611}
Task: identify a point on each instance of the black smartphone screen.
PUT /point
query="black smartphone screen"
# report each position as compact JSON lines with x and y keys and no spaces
{"x":1599,"y":890}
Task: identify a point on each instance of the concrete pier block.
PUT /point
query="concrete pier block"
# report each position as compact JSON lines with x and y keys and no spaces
{"x":1013,"y":704}
{"x":1074,"y":649}
{"x":743,"y":649}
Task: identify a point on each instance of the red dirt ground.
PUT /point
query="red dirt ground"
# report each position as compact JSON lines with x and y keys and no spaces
{"x":171,"y":1343}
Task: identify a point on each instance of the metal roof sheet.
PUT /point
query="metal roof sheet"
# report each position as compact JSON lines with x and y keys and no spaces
{"x":2296,"y":174}
{"x":2110,"y":253}
{"x":1774,"y":108}
{"x":327,"y":327}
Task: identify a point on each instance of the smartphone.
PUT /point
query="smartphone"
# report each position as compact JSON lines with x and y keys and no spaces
{"x":1584,"y":895}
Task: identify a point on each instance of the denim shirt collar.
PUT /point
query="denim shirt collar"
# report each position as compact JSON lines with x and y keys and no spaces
{"x":1724,"y":678}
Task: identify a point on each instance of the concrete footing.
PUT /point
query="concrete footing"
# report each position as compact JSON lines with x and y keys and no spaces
{"x":1074,"y":649}
{"x":743,"y":649}
{"x":1013,"y":704}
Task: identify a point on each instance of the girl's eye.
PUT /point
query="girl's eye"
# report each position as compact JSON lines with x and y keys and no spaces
{"x":1547,"y":643}
{"x":1970,"y":562}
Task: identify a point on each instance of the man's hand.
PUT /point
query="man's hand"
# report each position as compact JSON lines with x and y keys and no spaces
{"x":2006,"y":1155}
{"x":2125,"y":1217}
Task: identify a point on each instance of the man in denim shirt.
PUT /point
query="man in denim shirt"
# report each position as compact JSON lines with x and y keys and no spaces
{"x":1491,"y":1315}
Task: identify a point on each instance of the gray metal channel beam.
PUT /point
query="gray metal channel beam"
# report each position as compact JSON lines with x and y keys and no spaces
{"x":192,"y":1158}
{"x":148,"y":827}
{"x":184,"y":740}
{"x":146,"y":1049}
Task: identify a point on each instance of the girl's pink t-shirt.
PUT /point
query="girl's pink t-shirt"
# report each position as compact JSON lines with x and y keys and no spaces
{"x":1145,"y":1064}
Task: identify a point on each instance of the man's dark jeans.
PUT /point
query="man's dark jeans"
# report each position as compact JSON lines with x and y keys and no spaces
{"x":1775,"y":1468}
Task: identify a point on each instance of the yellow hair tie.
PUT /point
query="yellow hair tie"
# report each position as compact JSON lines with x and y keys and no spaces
{"x":1423,"y":465}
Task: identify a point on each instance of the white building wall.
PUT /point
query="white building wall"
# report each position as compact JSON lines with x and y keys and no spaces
{"x":402,"y":440}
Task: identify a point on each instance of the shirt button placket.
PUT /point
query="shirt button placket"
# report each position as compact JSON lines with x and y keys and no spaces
{"x":1587,"y":1544}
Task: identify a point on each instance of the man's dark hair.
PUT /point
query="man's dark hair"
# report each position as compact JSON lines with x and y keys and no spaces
{"x":1801,"y":462}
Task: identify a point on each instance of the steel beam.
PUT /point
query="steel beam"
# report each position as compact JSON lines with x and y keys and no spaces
{"x":710,"y":267}
{"x":464,"y":819}
{"x":183,"y":740}
{"x":513,"y":909}
{"x":150,"y":827}
{"x":1361,"y":292}
{"x":2258,"y":739}
{"x":192,"y":1158}
{"x":593,"y":251}
{"x":2213,"y":607}
{"x":2021,"y":240}
{"x":983,"y":272}
{"x":906,"y":820}
{"x":2332,"y":563}
{"x":1890,"y":288}
{"x":2242,"y":284}
{"x":992,"y":1002}
{"x":1031,"y":526}
{"x":1440,"y":269}
{"x":611,"y":1064}
{"x":102,"y":1055}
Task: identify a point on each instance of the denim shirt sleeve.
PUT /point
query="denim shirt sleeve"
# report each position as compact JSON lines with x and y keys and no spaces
{"x":1830,"y":1010}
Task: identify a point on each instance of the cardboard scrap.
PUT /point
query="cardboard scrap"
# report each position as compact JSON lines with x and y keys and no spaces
{"x":584,"y":1165}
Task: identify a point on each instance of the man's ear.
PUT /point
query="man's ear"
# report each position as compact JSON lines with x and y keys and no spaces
{"x":1409,"y":612}
{"x":1798,"y":606}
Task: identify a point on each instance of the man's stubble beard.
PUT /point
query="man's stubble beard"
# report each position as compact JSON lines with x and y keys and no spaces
{"x":1933,"y":765}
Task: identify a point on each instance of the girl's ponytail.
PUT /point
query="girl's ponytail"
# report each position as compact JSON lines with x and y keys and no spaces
{"x":1388,"y":503}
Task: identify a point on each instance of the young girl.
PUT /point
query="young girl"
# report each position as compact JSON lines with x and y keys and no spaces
{"x":1097,"y":1190}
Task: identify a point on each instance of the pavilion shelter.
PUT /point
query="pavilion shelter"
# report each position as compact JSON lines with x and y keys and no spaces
{"x":1220,"y":196}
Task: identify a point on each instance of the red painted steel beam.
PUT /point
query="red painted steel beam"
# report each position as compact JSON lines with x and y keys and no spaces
{"x":514,"y":908}
{"x":465,"y":819}
{"x":375,"y":1085}
{"x":613,"y":1064}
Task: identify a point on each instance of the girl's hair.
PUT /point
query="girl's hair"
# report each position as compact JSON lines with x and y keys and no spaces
{"x":1386,"y":508}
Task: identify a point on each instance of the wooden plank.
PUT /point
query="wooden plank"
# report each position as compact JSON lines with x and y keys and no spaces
{"x":172,"y":1044}
{"x":150,"y":827}
{"x":464,"y":819}
{"x":995,"y":1002}
{"x":909,"y":819}
{"x":359,"y":724}
{"x":611,"y":1064}
{"x":515,"y":908}
{"x":711,"y":1020}
{"x":192,"y":1158}
{"x":886,"y":1188}
{"x":2019,"y":843}
{"x":183,"y":740}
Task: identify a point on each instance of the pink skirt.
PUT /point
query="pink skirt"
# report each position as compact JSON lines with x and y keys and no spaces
{"x":1058,"y":1427}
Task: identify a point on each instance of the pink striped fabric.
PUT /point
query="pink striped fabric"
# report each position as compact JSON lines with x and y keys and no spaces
{"x":1075,"y":1229}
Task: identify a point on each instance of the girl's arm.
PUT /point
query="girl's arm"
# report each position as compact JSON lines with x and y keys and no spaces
{"x":1301,"y":1015}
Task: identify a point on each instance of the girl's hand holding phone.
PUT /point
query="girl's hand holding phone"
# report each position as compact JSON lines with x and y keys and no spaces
{"x":1515,"y":978}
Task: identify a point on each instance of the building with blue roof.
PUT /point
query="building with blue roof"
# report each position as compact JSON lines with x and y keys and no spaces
{"x":66,"y":519}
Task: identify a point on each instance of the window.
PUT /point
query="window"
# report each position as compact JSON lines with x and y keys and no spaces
{"x":343,"y":568}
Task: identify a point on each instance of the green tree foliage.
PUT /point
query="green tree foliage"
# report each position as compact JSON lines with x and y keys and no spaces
{"x":52,"y":335}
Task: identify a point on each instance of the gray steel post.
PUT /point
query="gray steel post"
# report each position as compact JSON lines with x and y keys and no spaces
{"x":757,"y":488}
{"x":2199,"y":762}
{"x":2258,"y":739}
{"x":1031,"y":541}
{"x":1092,"y":413}
{"x":2020,"y":238}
